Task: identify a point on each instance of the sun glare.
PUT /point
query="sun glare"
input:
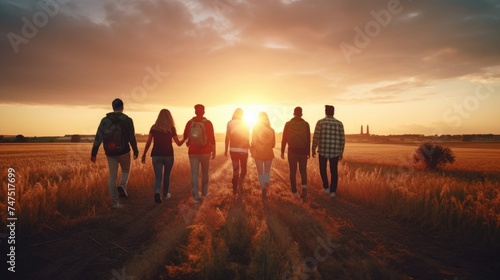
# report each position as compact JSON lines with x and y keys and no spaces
{"x":250,"y":117}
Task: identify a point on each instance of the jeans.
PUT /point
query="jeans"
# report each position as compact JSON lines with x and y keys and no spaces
{"x":113,"y":162}
{"x":333,"y":172}
{"x":162,"y":166}
{"x":301,"y":160}
{"x":264,"y":171}
{"x":195,"y":160}
{"x":238,"y":159}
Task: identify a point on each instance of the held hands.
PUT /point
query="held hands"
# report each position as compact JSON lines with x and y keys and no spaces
{"x":143,"y":159}
{"x":136,"y":156}
{"x":282,"y":156}
{"x":314,"y":154}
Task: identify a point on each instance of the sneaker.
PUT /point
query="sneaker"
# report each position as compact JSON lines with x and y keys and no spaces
{"x":326,"y":190}
{"x":196,"y":201}
{"x":304,"y":192}
{"x":166,"y":196}
{"x":332,"y":194}
{"x":118,"y":206}
{"x":122,"y":191}
{"x":295,"y":194}
{"x":157,"y":198}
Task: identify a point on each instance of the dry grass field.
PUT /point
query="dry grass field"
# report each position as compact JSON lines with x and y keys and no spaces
{"x":389,"y":221}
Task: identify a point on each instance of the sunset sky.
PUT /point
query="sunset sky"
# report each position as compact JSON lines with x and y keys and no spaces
{"x":409,"y":66}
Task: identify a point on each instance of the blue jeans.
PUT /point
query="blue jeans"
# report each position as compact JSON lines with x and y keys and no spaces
{"x":301,"y":160}
{"x":113,"y":162}
{"x":238,"y":159}
{"x":334,"y":162}
{"x":264,"y":171}
{"x":195,"y":160}
{"x":162,"y":167}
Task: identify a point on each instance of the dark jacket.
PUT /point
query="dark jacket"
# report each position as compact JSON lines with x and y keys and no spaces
{"x":297,"y":134}
{"x":127,"y":128}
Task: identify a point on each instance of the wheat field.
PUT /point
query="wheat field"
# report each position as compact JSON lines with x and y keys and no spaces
{"x":58,"y":186}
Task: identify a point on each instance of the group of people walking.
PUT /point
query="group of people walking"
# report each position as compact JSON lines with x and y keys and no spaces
{"x":117,"y":134}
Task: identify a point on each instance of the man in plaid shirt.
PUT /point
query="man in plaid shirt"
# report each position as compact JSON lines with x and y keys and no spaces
{"x":329,"y":138}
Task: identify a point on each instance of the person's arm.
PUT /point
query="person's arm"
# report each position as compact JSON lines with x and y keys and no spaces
{"x":97,"y":143}
{"x":317,"y":130}
{"x":176,"y":138}
{"x":186,"y":133}
{"x":211,"y":136}
{"x":342,"y":141}
{"x":308,"y":140}
{"x":226,"y":142}
{"x":274,"y":138}
{"x":284,"y":140}
{"x":148,"y":143}
{"x":132,"y":140}
{"x":178,"y":141}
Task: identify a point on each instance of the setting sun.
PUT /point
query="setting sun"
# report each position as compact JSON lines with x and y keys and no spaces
{"x":250,"y":116}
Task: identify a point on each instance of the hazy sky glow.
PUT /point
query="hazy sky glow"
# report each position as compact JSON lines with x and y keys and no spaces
{"x":408,"y":66}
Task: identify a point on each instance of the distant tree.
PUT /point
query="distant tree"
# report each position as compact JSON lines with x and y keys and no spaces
{"x":76,"y":138}
{"x":20,"y":139}
{"x":1,"y":138}
{"x":432,"y":156}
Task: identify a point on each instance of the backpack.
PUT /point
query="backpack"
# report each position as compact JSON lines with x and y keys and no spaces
{"x":113,"y":138}
{"x":198,"y":133}
{"x":297,"y":134}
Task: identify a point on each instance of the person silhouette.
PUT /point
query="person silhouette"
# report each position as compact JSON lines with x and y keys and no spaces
{"x":329,"y":139}
{"x":199,"y":132}
{"x":116,"y":131}
{"x":297,"y":135}
{"x":162,"y":133}
{"x":237,"y":143}
{"x":261,"y":148}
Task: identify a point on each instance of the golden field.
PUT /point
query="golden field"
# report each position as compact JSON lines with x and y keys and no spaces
{"x":250,"y":238}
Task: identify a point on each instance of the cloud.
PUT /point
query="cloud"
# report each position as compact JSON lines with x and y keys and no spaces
{"x":221,"y":51}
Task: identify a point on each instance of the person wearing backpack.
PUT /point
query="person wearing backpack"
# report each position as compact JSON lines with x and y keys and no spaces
{"x":329,"y":139}
{"x":200,"y":136}
{"x":261,"y":148}
{"x":117,"y":133}
{"x":298,"y":136}
{"x":237,"y":142}
{"x":162,"y":133}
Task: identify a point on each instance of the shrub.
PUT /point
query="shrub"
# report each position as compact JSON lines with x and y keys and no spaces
{"x":433,"y":156}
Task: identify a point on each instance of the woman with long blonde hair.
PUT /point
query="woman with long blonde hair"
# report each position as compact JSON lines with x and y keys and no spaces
{"x":261,"y":148}
{"x":237,"y":143}
{"x":162,"y":133}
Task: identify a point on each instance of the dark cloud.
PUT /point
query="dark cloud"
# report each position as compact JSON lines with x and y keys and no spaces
{"x":210,"y":48}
